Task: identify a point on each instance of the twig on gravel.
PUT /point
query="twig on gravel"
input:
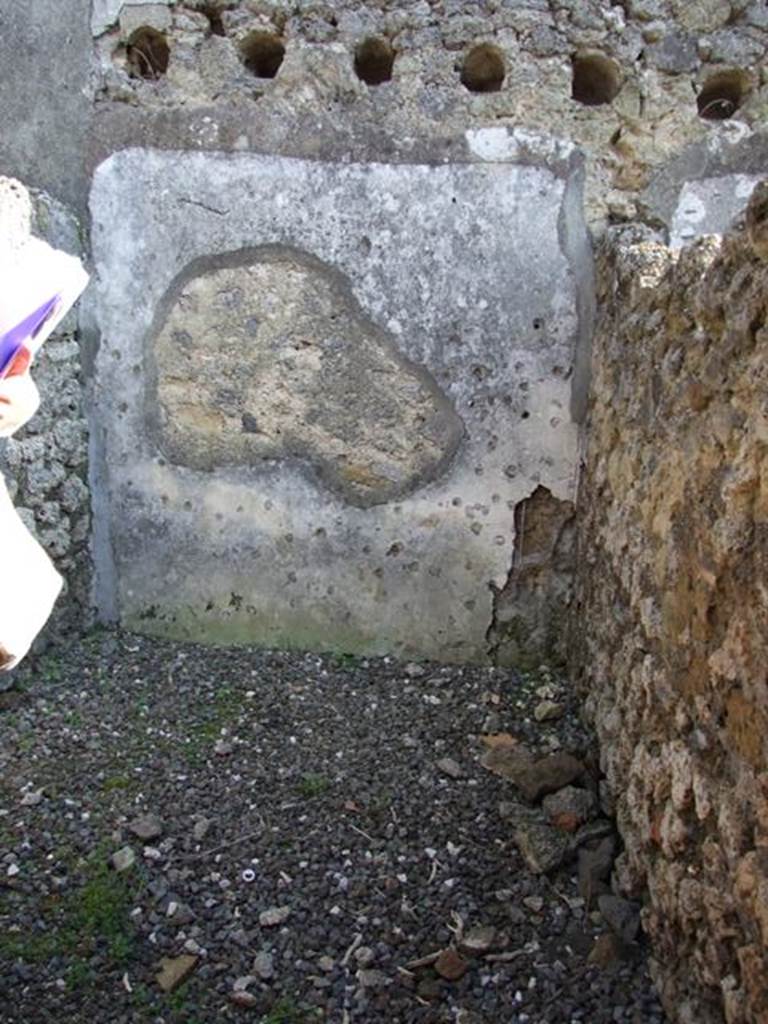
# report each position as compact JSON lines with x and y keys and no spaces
{"x":225,"y":846}
{"x":555,"y":995}
{"x":423,"y":961}
{"x":352,"y":947}
{"x":360,"y":832}
{"x":457,"y":928}
{"x":503,"y":958}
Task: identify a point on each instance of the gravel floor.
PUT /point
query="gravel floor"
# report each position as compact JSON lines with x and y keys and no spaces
{"x":292,"y":833}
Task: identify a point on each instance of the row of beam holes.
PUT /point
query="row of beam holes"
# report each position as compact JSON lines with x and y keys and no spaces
{"x":596,"y":80}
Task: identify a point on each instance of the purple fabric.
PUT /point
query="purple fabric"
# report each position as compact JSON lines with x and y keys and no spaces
{"x":12,"y":340}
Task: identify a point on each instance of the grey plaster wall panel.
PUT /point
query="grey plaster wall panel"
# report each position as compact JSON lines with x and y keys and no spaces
{"x":46,"y":57}
{"x":458,"y":293}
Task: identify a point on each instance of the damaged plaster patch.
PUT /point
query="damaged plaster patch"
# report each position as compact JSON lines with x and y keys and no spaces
{"x":106,"y":13}
{"x":710,"y":206}
{"x":266,"y":354}
{"x":528,"y":611}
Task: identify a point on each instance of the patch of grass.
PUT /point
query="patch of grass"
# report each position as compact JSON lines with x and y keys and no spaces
{"x":142,"y":1001}
{"x":284,"y":1012}
{"x":104,"y":903}
{"x":148,"y":1004}
{"x":50,"y":669}
{"x":379,"y":805}
{"x":95,"y":914}
{"x":80,"y":976}
{"x":178,"y":1001}
{"x":208,"y":719}
{"x":24,"y":744}
{"x":117,"y":782}
{"x":312,"y":785}
{"x":32,"y":949}
{"x":346,"y":661}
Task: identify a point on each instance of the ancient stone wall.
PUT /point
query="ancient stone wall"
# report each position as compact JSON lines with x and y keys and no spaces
{"x":671,"y":630}
{"x":644,"y":88}
{"x":401,"y":84}
{"x":632,"y":83}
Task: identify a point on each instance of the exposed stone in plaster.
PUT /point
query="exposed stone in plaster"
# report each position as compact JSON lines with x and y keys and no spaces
{"x":268,"y":355}
{"x":530,"y":610}
{"x":671,"y":627}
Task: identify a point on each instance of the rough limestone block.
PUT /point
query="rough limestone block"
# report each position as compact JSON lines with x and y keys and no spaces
{"x":321,"y":389}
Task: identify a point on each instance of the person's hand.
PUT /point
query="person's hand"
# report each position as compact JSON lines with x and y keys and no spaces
{"x":19,"y":401}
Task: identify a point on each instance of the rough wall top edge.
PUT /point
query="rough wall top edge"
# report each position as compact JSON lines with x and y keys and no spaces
{"x":180,"y":132}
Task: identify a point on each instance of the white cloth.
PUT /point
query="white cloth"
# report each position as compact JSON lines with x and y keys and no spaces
{"x":32,"y":275}
{"x":19,"y":401}
{"x":29,"y":584}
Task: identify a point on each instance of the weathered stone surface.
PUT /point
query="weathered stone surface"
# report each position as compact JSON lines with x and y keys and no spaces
{"x":674,"y":550}
{"x":595,"y":860}
{"x":757,"y":221}
{"x":507,"y":759}
{"x":702,"y":15}
{"x":135,"y":16}
{"x":675,"y":52}
{"x":710,"y":206}
{"x":269,"y":356}
{"x":123,"y":859}
{"x":478,"y":940}
{"x":274,"y":916}
{"x":174,"y":971}
{"x":282,"y":424}
{"x":147,"y":826}
{"x":105,"y":13}
{"x":547,"y":775}
{"x":622,"y":916}
{"x":530,"y":609}
{"x":542,"y":847}
{"x":717,"y":174}
{"x":451,"y":965}
{"x":606,"y":952}
{"x":569,"y":807}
